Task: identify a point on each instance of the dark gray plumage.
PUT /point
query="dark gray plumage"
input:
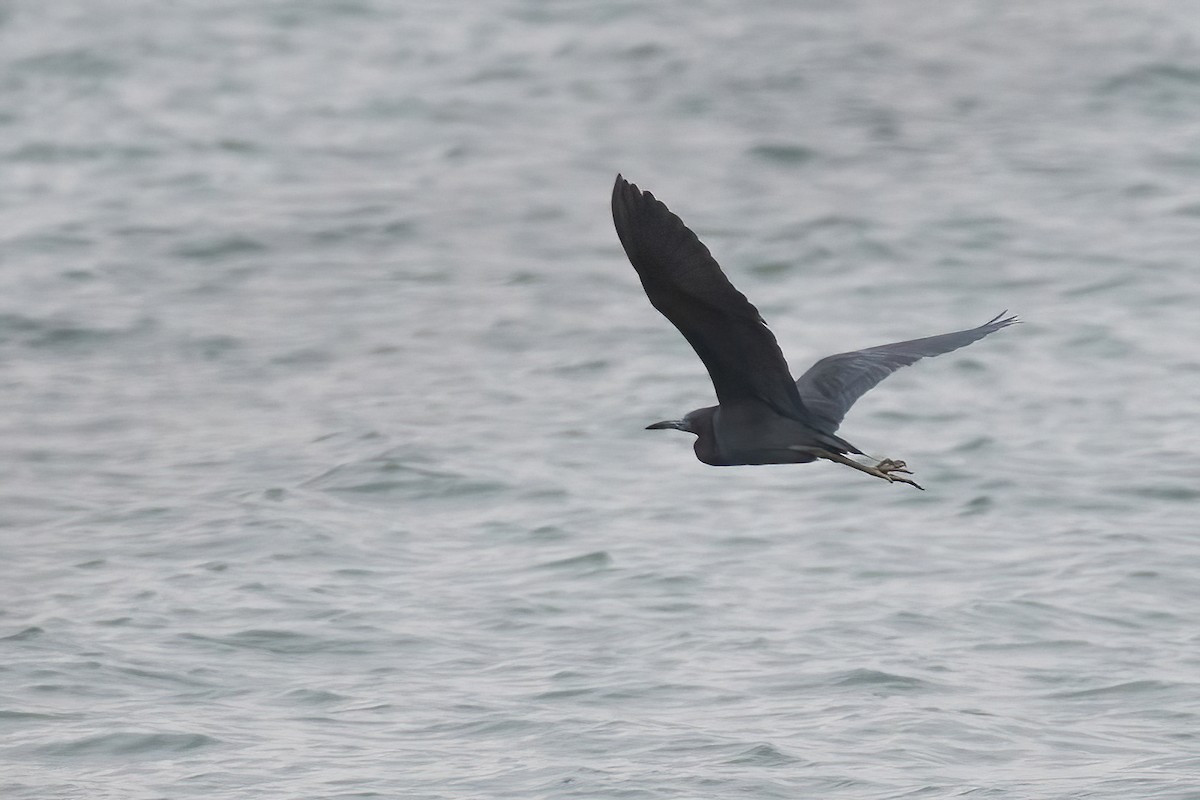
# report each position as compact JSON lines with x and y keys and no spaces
{"x":762,"y":416}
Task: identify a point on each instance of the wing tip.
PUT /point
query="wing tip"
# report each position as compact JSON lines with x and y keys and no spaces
{"x":634,"y":208}
{"x":629,"y":191}
{"x":996,"y":323}
{"x":624,"y":186}
{"x":624,"y":195}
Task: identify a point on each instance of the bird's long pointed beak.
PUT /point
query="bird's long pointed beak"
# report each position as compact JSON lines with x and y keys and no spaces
{"x":676,"y":424}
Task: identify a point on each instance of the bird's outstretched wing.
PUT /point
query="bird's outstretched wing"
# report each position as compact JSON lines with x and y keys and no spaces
{"x":686,"y":284}
{"x":834,"y":383}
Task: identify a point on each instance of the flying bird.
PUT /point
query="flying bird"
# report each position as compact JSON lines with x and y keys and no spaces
{"x":763,"y":415}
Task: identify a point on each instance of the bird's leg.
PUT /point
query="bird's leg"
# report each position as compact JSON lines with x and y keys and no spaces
{"x":883,"y":469}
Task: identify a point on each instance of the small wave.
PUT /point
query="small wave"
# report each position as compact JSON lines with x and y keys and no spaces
{"x":1153,"y":76}
{"x":1158,"y":89}
{"x":764,"y":755}
{"x":872,"y":677}
{"x":1178,"y":492}
{"x":597,"y":560}
{"x":125,"y":743}
{"x":31,"y":716}
{"x":789,"y":154}
{"x":59,"y":333}
{"x":389,"y":478}
{"x":79,"y":62}
{"x":314,"y":697}
{"x":31,"y":632}
{"x":219,"y":248}
{"x":281,"y":642}
{"x":1119,"y":690}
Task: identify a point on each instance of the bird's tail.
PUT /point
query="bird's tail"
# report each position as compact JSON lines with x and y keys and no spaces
{"x":838,"y":444}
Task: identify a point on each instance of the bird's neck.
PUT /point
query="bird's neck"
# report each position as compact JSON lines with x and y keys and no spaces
{"x":706,"y":442}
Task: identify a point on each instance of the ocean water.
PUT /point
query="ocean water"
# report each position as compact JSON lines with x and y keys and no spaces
{"x":323,"y":379}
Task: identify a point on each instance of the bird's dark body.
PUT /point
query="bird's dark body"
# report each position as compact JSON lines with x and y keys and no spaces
{"x":763,"y":416}
{"x":751,"y":433}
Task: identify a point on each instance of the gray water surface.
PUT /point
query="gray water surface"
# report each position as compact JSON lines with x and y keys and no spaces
{"x":323,"y":380}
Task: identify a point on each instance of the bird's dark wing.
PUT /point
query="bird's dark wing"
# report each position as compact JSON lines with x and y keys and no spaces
{"x":686,"y":284}
{"x":834,"y":383}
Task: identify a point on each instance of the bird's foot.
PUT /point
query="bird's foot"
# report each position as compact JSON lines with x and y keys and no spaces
{"x":886,"y":467}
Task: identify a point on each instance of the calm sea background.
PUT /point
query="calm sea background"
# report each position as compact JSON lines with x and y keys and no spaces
{"x":323,"y":379}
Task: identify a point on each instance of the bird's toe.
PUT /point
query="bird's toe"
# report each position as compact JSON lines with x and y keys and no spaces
{"x":888,"y":467}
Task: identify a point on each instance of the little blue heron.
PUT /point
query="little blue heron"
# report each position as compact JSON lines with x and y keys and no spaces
{"x":763,"y":416}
